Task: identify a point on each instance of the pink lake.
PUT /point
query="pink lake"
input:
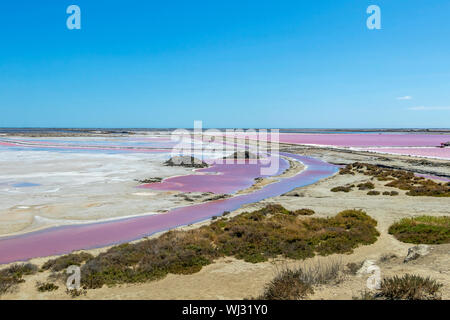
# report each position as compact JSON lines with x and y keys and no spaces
{"x":218,"y":178}
{"x":366,"y":139}
{"x":443,"y":153}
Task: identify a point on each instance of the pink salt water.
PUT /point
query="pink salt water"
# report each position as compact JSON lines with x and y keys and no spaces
{"x":218,"y":178}
{"x":366,"y":139}
{"x":443,"y":153}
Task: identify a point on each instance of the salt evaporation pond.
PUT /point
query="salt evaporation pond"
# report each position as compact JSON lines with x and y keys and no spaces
{"x":61,"y":240}
{"x":367,"y":139}
{"x":218,"y":178}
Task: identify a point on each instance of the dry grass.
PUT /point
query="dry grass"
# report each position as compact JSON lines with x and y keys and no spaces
{"x":297,"y":284}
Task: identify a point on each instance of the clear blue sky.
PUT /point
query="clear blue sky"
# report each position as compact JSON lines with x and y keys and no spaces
{"x":232,"y":63}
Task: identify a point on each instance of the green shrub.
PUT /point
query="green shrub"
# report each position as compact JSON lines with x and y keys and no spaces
{"x":366,"y":186}
{"x":409,"y":287}
{"x":63,"y":262}
{"x":287,"y":285}
{"x":422,"y":230}
{"x":303,"y":212}
{"x":251,"y":236}
{"x":401,"y":179}
{"x":341,"y":189}
{"x":373,"y":193}
{"x":46,"y":286}
{"x":13,"y":275}
{"x":297,"y":284}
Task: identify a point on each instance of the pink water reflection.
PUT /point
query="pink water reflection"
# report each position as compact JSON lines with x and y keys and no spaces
{"x":219,"y":178}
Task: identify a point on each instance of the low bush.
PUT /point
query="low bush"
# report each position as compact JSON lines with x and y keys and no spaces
{"x":353,"y":267}
{"x":63,"y":262}
{"x":422,"y":230}
{"x":74,"y":293}
{"x":13,"y":275}
{"x":409,"y":287}
{"x":373,"y":193}
{"x":46,"y":286}
{"x":341,"y":189}
{"x":297,"y":284}
{"x":303,"y":212}
{"x":251,"y":236}
{"x":366,"y":186}
{"x":401,"y":179}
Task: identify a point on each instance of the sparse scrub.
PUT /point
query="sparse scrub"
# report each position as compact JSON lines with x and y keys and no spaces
{"x":341,"y":189}
{"x":46,"y":286}
{"x":13,"y":275}
{"x":297,"y":284}
{"x":366,"y":186}
{"x":251,"y":236}
{"x":373,"y":193}
{"x":401,"y":179}
{"x":387,"y":257}
{"x":303,"y":212}
{"x":409,"y":287}
{"x":63,"y":262}
{"x":422,"y":230}
{"x":353,"y":267}
{"x":287,"y":285}
{"x":74,"y":293}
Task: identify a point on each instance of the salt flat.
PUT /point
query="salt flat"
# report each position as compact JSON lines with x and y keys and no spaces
{"x":67,"y":188}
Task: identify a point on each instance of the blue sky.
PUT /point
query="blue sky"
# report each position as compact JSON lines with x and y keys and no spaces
{"x":234,"y":63}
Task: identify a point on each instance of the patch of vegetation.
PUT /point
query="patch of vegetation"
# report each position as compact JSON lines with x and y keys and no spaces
{"x":422,"y":230}
{"x":63,"y":262}
{"x":353,"y":267}
{"x":287,"y":285}
{"x":341,"y":189}
{"x":303,"y":212}
{"x":409,"y":287}
{"x":251,"y":236}
{"x":297,"y":284}
{"x":373,"y":193}
{"x":366,"y":186}
{"x":387,"y":257}
{"x":46,"y":286}
{"x":74,"y":293}
{"x":13,"y":275}
{"x":401,"y":179}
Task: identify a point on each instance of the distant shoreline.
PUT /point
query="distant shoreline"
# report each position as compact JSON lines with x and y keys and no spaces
{"x":74,"y":132}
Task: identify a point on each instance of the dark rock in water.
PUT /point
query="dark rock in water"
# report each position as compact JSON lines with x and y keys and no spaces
{"x":149,"y":180}
{"x":242,"y":155}
{"x":185,"y":161}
